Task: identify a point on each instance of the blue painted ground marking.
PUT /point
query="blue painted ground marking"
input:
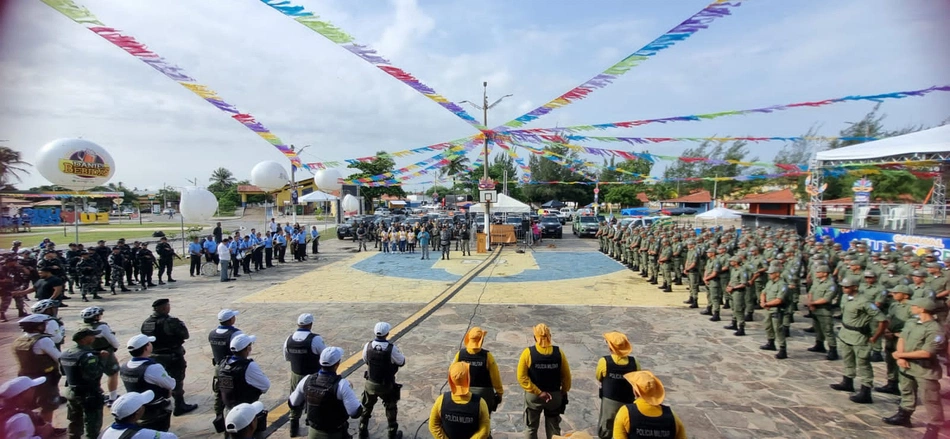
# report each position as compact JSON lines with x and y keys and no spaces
{"x":552,"y":266}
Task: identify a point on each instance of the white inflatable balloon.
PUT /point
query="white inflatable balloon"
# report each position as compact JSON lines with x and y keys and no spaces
{"x":197,"y":204}
{"x":75,"y":164}
{"x":269,"y":176}
{"x":350,"y":203}
{"x":328,"y":180}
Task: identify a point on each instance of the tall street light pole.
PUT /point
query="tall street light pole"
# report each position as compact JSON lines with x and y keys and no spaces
{"x":293,"y":183}
{"x":485,"y":107}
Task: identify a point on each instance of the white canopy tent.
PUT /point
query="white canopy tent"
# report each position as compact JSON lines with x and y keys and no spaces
{"x":719,"y":213}
{"x":921,"y":144}
{"x":317,"y":197}
{"x":504,"y":204}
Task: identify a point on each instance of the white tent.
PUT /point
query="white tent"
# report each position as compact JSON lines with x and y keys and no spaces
{"x":934,"y":140}
{"x":317,"y":197}
{"x":504,"y":204}
{"x":718,"y":213}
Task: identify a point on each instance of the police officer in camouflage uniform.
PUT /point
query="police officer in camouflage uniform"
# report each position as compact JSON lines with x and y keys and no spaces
{"x":898,"y":314}
{"x":738,"y":282}
{"x":711,"y":279}
{"x":665,"y":260}
{"x":116,"y":263}
{"x":72,"y":257}
{"x":774,"y":299}
{"x":820,"y":301}
{"x":88,"y":276}
{"x":170,"y":335}
{"x":83,"y":370}
{"x":679,"y":255}
{"x":858,"y":317}
{"x":691,"y":270}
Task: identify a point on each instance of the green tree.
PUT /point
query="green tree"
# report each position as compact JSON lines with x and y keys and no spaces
{"x":611,"y":174}
{"x":502,"y":166}
{"x":221,"y":179}
{"x":695,"y":165}
{"x":624,"y":195}
{"x":457,"y":167}
{"x":543,"y":169}
{"x":381,"y":164}
{"x":799,"y":152}
{"x":12,"y":167}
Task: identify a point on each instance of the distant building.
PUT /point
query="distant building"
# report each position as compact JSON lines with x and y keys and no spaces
{"x":699,"y":200}
{"x":781,"y":202}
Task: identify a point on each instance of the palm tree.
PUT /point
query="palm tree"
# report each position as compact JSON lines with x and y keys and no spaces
{"x":11,"y":166}
{"x":222,"y":179}
{"x":456,"y":167}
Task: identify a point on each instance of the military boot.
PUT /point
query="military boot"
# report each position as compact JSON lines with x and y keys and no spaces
{"x":715,"y":317}
{"x":740,"y":332}
{"x":818,"y":347}
{"x":653,"y":280}
{"x":862,"y":396}
{"x":668,"y":289}
{"x":694,"y":304}
{"x":643,"y":273}
{"x":732,"y":325}
{"x":707,"y":311}
{"x":726,"y":306}
{"x":846,"y":385}
{"x":679,"y":282}
{"x":902,"y":418}
{"x":182,"y":408}
{"x":787,"y":331}
{"x":832,"y":354}
{"x":663,"y":287}
{"x":782,"y":354}
{"x":748,"y":317}
{"x":889,"y":388}
{"x":769,"y":346}
{"x":295,"y":428}
{"x":688,"y":301}
{"x":876,"y":357}
{"x":810,"y":329}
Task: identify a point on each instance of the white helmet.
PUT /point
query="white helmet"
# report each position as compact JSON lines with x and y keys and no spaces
{"x":43,"y":305}
{"x":91,"y":312}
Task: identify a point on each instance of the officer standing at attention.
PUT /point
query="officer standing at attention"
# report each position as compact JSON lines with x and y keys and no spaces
{"x":165,"y":263}
{"x":38,"y":356}
{"x":383,"y":359}
{"x":711,"y":279}
{"x":329,"y":398}
{"x":458,"y":413}
{"x":615,"y":391}
{"x":105,"y":341}
{"x":484,"y":378}
{"x":738,"y":282}
{"x":87,"y":272}
{"x":647,"y":417}
{"x":128,"y":411}
{"x":302,"y":349}
{"x":773,"y":300}
{"x":240,"y":379}
{"x":920,"y":373}
{"x":82,"y":368}
{"x":169,"y":351}
{"x":857,"y":314}
{"x":116,"y":263}
{"x":820,"y":300}
{"x":898,"y":314}
{"x":545,"y":376}
{"x":194,"y":254}
{"x":220,"y":340}
{"x":144,"y":375}
{"x":691,"y":270}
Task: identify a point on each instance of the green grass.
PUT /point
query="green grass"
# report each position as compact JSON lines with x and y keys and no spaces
{"x":112,"y":233}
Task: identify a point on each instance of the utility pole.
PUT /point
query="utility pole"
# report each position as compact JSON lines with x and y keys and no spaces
{"x":485,"y":107}
{"x":293,"y":185}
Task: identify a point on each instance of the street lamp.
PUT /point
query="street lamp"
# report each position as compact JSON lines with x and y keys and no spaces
{"x":293,"y":182}
{"x":485,"y":107}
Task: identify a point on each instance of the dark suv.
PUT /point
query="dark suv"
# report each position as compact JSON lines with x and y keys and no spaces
{"x":551,"y":226}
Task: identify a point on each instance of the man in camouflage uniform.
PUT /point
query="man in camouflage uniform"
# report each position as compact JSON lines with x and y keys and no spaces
{"x":88,"y":271}
{"x":72,"y":259}
{"x":679,"y":255}
{"x":691,"y":270}
{"x":862,"y":325}
{"x":774,"y":300}
{"x":711,"y":280}
{"x":665,"y":259}
{"x":117,"y":263}
{"x":738,"y":282}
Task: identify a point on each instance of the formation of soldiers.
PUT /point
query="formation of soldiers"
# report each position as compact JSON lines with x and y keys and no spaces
{"x":876,"y":295}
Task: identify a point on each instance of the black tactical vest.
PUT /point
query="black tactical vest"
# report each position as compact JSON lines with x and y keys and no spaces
{"x":647,"y":427}
{"x":31,"y":364}
{"x":221,"y":343}
{"x":478,"y":367}
{"x":460,"y":421}
{"x":614,"y":386}
{"x":380,"y":363}
{"x":325,"y":411}
{"x":134,"y":379}
{"x":232,"y":383}
{"x":302,"y":359}
{"x":74,"y":361}
{"x":154,"y":326}
{"x":545,"y":370}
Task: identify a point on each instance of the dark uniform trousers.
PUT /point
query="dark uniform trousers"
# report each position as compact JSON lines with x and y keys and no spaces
{"x":84,"y":411}
{"x":372,"y":393}
{"x":534,"y":406}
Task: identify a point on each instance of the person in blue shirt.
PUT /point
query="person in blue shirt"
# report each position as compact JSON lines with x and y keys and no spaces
{"x":315,"y":239}
{"x":423,"y":238}
{"x":235,"y":255}
{"x":281,"y":247}
{"x":211,"y":250}
{"x":194,"y":250}
{"x":245,"y":247}
{"x":268,"y":250}
{"x":301,"y":246}
{"x":258,"y":252}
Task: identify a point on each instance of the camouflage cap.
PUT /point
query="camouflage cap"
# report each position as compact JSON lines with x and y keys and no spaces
{"x":918,"y":273}
{"x":847,"y":282}
{"x":933,"y":265}
{"x":823,"y":269}
{"x":903,"y":289}
{"x":774,"y":269}
{"x":891,"y":267}
{"x":869,"y":273}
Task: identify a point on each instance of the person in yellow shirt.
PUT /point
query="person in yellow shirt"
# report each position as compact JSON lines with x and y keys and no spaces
{"x":647,"y":416}
{"x":545,"y":376}
{"x":615,"y":391}
{"x":483,"y":371}
{"x":459,"y":414}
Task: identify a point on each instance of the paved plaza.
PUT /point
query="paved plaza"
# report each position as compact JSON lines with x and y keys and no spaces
{"x":720,"y":385}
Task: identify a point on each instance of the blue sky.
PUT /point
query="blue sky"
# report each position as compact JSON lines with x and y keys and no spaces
{"x":60,"y":80}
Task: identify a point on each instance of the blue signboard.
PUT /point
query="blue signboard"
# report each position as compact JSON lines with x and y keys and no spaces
{"x":877,"y":239}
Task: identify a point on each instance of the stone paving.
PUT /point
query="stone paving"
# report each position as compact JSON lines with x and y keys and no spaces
{"x":720,"y":385}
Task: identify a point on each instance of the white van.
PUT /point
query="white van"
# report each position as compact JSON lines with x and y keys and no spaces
{"x":566,"y":214}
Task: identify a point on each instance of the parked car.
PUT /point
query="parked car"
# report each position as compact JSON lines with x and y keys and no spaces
{"x":566,"y":214}
{"x":586,"y":226}
{"x":348,"y":228}
{"x":168,"y":211}
{"x":381,"y":211}
{"x":551,"y":226}
{"x":514,"y":221}
{"x":480,"y":223}
{"x":677,"y":211}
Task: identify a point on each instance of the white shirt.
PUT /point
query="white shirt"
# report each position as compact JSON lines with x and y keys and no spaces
{"x":273,"y":227}
{"x":144,"y":433}
{"x":106,"y":332}
{"x":316,"y":345}
{"x":46,"y":346}
{"x":20,"y":426}
{"x":223,"y":253}
{"x":254,"y":376}
{"x":155,"y":374}
{"x":397,"y":357}
{"x":344,"y":392}
{"x":56,"y":332}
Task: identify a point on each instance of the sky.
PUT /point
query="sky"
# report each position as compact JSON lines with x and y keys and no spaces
{"x":59,"y":80}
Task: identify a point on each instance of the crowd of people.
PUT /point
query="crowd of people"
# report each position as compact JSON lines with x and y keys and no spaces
{"x":892,"y":303}
{"x":407,"y":238}
{"x":255,"y":250}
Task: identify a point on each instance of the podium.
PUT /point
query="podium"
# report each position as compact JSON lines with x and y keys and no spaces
{"x":480,"y":243}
